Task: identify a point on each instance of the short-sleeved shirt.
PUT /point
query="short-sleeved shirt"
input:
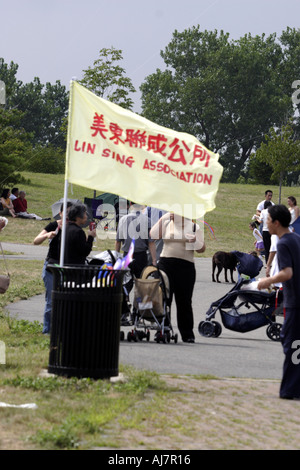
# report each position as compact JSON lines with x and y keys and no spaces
{"x":260,"y":206}
{"x":288,"y":252}
{"x":134,"y":225}
{"x":264,"y":219}
{"x":54,"y":244}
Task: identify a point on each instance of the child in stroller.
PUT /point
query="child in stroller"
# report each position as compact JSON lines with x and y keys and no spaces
{"x":151,"y":307}
{"x":244,"y":308}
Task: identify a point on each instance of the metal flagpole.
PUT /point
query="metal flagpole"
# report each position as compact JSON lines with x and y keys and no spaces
{"x":64,"y":226}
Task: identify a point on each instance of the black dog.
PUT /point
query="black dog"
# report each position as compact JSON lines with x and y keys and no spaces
{"x":221,"y":260}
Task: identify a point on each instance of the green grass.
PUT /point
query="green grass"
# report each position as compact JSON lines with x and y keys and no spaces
{"x":235,"y":206}
{"x":85,"y":414}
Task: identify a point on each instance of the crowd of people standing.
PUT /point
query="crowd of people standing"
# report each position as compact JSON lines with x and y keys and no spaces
{"x":275,"y":236}
{"x":282,"y":255}
{"x":265,"y":243}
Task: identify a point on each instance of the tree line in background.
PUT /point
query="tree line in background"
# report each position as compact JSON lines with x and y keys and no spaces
{"x":235,"y":96}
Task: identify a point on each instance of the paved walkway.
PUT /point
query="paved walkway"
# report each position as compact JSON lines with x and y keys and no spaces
{"x":231,"y":355}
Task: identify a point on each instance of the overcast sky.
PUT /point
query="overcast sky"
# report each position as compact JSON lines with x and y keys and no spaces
{"x":58,"y":39}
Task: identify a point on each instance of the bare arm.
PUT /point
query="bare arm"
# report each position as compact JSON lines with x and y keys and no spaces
{"x":152,"y":249}
{"x":202,"y":249}
{"x":283,"y":275}
{"x":42,"y":236}
{"x":269,"y":263}
{"x":117,"y":246}
{"x":157,"y":231}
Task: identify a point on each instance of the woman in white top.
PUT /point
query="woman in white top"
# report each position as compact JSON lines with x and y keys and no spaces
{"x":293,"y":208}
{"x":181,"y":238}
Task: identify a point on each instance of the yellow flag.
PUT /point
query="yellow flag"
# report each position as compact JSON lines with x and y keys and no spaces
{"x":114,"y":150}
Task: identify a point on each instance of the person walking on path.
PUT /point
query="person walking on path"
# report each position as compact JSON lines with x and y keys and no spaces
{"x":181,"y":238}
{"x":288,"y":252}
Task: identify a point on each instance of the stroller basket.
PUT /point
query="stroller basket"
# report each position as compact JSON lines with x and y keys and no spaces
{"x":151,"y":309}
{"x":243,"y":323}
{"x":148,"y":298}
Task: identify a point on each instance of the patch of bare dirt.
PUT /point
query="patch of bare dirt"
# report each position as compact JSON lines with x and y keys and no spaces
{"x":219,"y":414}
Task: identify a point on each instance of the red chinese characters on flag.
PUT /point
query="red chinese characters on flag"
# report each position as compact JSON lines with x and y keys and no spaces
{"x":116,"y":133}
{"x":136,"y":139}
{"x":99,"y":126}
{"x":176,"y":151}
{"x":157,"y":144}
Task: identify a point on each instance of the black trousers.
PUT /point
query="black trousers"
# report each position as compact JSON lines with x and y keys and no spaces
{"x":182,"y":277}
{"x":267,"y":243}
{"x":290,"y":336}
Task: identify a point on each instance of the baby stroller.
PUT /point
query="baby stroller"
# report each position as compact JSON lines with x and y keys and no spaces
{"x":151,"y":307}
{"x":110,"y":257}
{"x":245,"y":308}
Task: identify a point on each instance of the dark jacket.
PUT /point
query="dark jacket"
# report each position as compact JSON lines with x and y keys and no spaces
{"x":77,"y":246}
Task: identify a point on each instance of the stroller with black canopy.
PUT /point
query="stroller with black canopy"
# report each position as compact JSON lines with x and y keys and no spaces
{"x":151,"y":307}
{"x":245,"y":308}
{"x":109,"y":258}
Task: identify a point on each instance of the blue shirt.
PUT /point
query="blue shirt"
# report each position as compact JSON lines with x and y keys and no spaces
{"x":288,"y":250}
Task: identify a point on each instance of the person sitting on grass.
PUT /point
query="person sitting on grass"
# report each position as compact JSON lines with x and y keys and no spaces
{"x":7,"y":205}
{"x":20,"y":206}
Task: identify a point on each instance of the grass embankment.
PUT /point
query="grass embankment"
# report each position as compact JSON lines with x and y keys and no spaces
{"x":144,"y":411}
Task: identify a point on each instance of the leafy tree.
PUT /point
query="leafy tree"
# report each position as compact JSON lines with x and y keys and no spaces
{"x":43,"y":107}
{"x":281,"y":152}
{"x":14,"y":146}
{"x":46,"y":159}
{"x":107,"y":80}
{"x":259,"y":172}
{"x":226,"y":93}
{"x":8,"y":76}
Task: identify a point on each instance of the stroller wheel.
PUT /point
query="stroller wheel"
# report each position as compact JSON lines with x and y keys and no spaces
{"x":206,"y":328}
{"x":132,"y":336}
{"x":273,"y":331}
{"x":148,"y":335}
{"x":160,"y":337}
{"x":168,"y":336}
{"x":217,"y":330}
{"x":157,"y":336}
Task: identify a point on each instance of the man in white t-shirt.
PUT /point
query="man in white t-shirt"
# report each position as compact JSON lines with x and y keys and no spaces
{"x":268,"y":197}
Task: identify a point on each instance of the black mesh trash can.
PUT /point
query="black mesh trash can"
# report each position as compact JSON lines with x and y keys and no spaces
{"x":85,"y":321}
